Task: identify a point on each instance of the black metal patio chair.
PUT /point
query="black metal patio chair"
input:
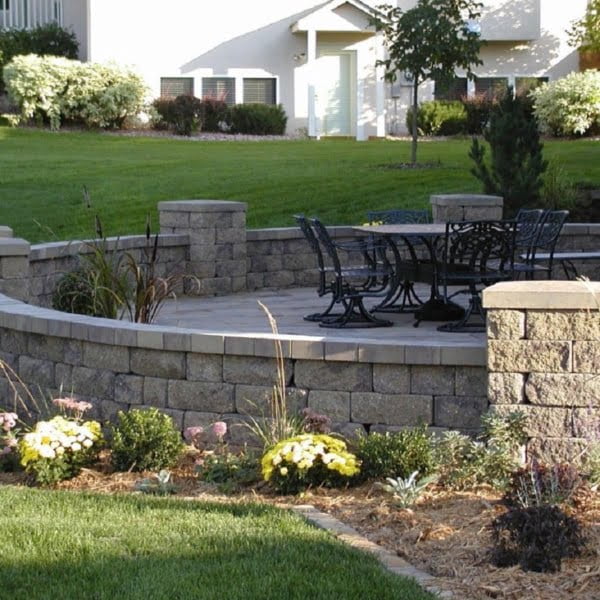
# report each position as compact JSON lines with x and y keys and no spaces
{"x":475,"y":254}
{"x":544,"y":242}
{"x":351,"y":284}
{"x":404,"y":298}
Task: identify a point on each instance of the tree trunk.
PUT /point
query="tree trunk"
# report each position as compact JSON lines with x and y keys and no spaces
{"x":415,"y":101}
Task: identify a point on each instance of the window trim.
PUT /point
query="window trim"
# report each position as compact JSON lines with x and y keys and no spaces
{"x":189,"y":79}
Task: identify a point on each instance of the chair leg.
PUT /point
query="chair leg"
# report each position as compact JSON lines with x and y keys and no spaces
{"x":327,"y":312}
{"x":475,"y":308}
{"x":355,"y":315}
{"x":406,"y":295}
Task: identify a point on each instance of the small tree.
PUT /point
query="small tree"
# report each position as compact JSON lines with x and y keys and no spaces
{"x":517,"y":163}
{"x":429,"y":41}
{"x":585,"y":32}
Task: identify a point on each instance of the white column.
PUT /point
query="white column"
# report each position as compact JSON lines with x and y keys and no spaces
{"x":311,"y":58}
{"x":380,"y":89}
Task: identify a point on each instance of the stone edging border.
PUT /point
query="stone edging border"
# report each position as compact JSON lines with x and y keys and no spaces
{"x":350,"y":536}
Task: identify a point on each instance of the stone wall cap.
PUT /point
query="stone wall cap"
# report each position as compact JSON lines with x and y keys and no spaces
{"x":466,"y":200}
{"x":5,"y":231}
{"x":14,"y":247}
{"x":202,"y":206}
{"x":544,"y":295}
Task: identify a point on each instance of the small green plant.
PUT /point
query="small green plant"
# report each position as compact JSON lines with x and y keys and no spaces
{"x":182,"y":114}
{"x":537,"y":538}
{"x":396,"y":454}
{"x":158,"y":485}
{"x":477,"y":109}
{"x":229,"y":471}
{"x":439,"y":117}
{"x":558,"y":192}
{"x":144,"y":440}
{"x":591,"y":466}
{"x":258,"y":119}
{"x":538,"y":484}
{"x":306,"y":460}
{"x":407,"y":491}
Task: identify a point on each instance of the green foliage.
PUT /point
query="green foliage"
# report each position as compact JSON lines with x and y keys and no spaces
{"x":536,"y":538}
{"x":158,"y":485}
{"x":558,"y":192}
{"x":183,"y":114}
{"x":396,"y":454}
{"x":429,"y":41}
{"x":570,"y":105}
{"x":215,"y":115}
{"x":58,"y":89}
{"x":591,"y":465}
{"x":439,"y":117}
{"x":407,"y":491}
{"x":517,"y":163}
{"x":229,"y":471}
{"x":49,"y":39}
{"x":258,"y":119}
{"x":463,"y":462}
{"x":478,"y":109}
{"x":74,"y":294}
{"x":144,"y":440}
{"x":306,"y":460}
{"x":538,"y":484}
{"x":585,"y":32}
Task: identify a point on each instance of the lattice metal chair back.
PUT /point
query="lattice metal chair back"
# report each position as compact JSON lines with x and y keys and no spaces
{"x":398,"y":216}
{"x":475,"y":254}
{"x":528,"y":223}
{"x":352,"y":284}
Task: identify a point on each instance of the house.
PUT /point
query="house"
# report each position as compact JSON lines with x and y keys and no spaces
{"x":316,"y":59}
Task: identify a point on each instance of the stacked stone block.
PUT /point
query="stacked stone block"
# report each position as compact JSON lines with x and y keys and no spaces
{"x":544,"y":360}
{"x":465,"y":207}
{"x":217,"y":243}
{"x":14,"y":268}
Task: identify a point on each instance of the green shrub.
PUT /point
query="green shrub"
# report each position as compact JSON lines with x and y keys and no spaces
{"x":396,"y":454}
{"x":215,"y":115}
{"x":183,"y":114}
{"x":145,"y":440}
{"x":258,"y":119}
{"x":569,"y":106}
{"x":49,"y":39}
{"x":58,"y":89}
{"x":477,"y":110}
{"x":74,"y":293}
{"x":229,"y":471}
{"x":439,"y":117}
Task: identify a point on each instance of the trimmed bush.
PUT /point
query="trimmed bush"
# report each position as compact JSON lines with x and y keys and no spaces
{"x":439,"y":117}
{"x":58,"y":89}
{"x":477,"y":110}
{"x":215,"y":115}
{"x":183,"y":114}
{"x":569,"y":106}
{"x":145,"y":440}
{"x":258,"y":119}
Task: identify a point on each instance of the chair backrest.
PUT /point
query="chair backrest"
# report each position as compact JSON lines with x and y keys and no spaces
{"x":326,"y":244}
{"x":549,"y":230}
{"x":528,"y":223}
{"x":313,"y":242}
{"x":485,"y":247}
{"x":399,"y":216}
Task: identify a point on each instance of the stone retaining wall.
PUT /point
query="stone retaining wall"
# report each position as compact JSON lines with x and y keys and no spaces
{"x":544,"y":359}
{"x":198,"y":377}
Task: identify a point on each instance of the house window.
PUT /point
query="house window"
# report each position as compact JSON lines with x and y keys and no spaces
{"x":259,"y":90}
{"x":526,"y":84}
{"x":219,"y":88}
{"x":4,"y":4}
{"x":491,"y":87}
{"x":454,"y":89}
{"x":171,"y":87}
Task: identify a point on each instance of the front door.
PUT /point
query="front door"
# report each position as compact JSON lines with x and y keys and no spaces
{"x":334,"y":94}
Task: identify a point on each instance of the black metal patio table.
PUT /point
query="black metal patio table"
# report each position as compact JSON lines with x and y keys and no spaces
{"x":436,"y":308}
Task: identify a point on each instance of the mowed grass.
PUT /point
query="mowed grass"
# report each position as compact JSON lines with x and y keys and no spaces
{"x":65,"y":545}
{"x":42,"y":175}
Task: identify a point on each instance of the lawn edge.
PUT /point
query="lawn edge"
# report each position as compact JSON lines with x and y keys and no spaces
{"x":350,"y":536}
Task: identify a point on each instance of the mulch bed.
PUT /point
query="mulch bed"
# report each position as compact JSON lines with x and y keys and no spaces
{"x":446,"y":534}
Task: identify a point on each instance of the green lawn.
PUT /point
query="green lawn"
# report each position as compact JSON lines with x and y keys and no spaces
{"x":42,"y":174}
{"x":63,"y":545}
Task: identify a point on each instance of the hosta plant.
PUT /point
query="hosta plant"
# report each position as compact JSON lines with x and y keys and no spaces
{"x":309,"y":459}
{"x":406,"y":492}
{"x":57,"y":449}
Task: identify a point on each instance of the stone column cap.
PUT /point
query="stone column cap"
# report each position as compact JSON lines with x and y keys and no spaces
{"x":202,"y":206}
{"x":5,"y":231}
{"x":14,"y":247}
{"x":544,"y":295}
{"x":466,"y":200}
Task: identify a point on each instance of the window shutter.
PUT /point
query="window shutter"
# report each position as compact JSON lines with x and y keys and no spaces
{"x":171,"y":87}
{"x":259,"y":91}
{"x":219,"y":88}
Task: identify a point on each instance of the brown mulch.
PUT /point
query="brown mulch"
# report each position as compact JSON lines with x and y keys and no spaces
{"x":446,"y":534}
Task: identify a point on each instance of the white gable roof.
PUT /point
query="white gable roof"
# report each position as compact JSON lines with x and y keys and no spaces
{"x":338,"y":15}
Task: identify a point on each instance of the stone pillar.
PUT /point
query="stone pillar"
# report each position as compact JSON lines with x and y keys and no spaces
{"x":544,"y":360}
{"x":465,"y":207}
{"x":217,"y":238}
{"x":14,"y":268}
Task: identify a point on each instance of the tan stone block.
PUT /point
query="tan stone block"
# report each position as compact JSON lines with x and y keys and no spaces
{"x":390,"y":409}
{"x":435,"y":380}
{"x":586,"y":357}
{"x":335,"y":405}
{"x":506,"y":324}
{"x":542,"y":421}
{"x":586,"y":422}
{"x":459,"y":412}
{"x":391,"y":379}
{"x":471,"y":381}
{"x":569,"y":389}
{"x":506,"y":388}
{"x":526,"y":356}
{"x":556,"y":450}
{"x":563,"y":325}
